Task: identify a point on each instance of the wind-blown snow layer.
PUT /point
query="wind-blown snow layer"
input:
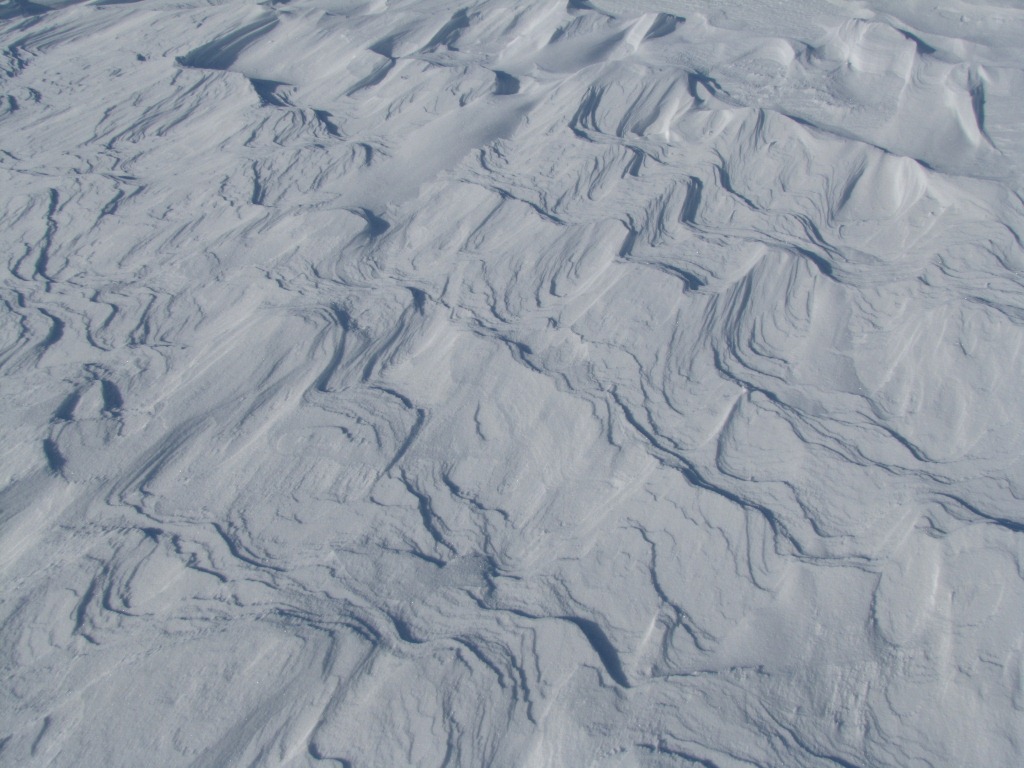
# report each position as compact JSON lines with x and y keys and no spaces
{"x":512,"y":383}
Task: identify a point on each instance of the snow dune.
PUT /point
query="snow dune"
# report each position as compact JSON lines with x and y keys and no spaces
{"x":537,"y":383}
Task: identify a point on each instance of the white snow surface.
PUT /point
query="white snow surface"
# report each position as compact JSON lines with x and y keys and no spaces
{"x":512,"y":383}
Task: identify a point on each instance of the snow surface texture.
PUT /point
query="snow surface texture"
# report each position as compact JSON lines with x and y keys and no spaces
{"x":512,"y":383}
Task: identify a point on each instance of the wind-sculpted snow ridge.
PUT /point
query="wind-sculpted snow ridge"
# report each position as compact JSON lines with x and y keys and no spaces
{"x":512,"y":383}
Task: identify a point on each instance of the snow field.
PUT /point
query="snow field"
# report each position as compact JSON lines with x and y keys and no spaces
{"x":580,"y":383}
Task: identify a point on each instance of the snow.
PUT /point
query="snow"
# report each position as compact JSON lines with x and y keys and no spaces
{"x":538,"y":383}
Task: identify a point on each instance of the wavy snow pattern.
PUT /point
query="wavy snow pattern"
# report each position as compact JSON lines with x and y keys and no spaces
{"x":515,"y":384}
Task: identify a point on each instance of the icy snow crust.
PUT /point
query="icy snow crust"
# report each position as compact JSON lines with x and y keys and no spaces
{"x":531,"y":383}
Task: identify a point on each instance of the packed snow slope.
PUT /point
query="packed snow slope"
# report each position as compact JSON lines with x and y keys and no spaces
{"x":512,"y":383}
